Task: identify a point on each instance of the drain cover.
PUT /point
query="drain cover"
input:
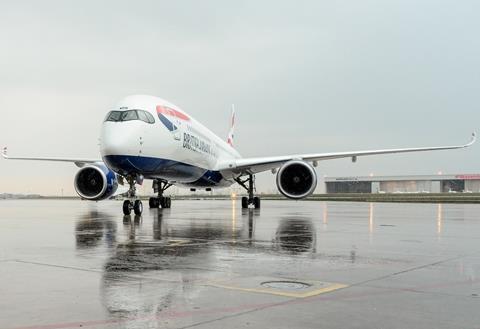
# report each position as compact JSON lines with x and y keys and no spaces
{"x":286,"y":285}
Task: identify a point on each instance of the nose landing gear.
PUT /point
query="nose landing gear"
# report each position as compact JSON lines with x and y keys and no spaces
{"x":129,"y":204}
{"x":136,"y":205}
{"x":160,"y":201}
{"x":251,"y":200}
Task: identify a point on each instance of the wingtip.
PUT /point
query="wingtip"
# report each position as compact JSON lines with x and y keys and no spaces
{"x":4,"y":153}
{"x":473,"y":139}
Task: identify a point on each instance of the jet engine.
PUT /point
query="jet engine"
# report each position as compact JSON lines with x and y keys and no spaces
{"x":95,"y":182}
{"x":296,"y":179}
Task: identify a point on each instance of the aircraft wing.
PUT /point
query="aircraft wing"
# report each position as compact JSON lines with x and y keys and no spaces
{"x":255,"y":165}
{"x":78,"y":162}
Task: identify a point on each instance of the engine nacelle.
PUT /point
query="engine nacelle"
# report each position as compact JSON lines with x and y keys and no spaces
{"x":95,"y":182}
{"x":296,"y":179}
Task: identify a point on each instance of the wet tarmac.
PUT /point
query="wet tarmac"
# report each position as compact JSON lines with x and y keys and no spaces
{"x":208,"y":264}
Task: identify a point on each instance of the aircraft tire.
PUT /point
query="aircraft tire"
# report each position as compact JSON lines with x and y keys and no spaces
{"x":127,"y":207}
{"x":137,"y":207}
{"x":244,"y":202}
{"x":152,"y":203}
{"x":256,"y":202}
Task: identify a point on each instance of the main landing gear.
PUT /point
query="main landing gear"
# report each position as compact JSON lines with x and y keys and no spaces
{"x":251,"y":200}
{"x":130,"y":204}
{"x":160,"y":201}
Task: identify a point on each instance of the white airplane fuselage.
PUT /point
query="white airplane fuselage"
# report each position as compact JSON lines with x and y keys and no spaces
{"x":174,"y":148}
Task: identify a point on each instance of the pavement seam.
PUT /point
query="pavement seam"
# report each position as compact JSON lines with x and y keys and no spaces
{"x":57,"y":266}
{"x":406,"y":271}
{"x":418,"y":291}
{"x":237,"y":314}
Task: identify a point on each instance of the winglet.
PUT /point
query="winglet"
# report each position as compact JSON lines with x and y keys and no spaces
{"x":4,"y":153}
{"x":474,"y":138}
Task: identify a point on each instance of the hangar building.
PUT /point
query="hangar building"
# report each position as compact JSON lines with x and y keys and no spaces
{"x":404,"y":184}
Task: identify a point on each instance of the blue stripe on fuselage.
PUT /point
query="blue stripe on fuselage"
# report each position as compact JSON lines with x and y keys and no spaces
{"x":151,"y":167}
{"x":167,"y":123}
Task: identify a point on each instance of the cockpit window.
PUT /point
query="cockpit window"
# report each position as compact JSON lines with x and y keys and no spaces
{"x":150,"y":117}
{"x":118,"y":116}
{"x":114,"y":116}
{"x":129,"y":115}
{"x":142,"y":116}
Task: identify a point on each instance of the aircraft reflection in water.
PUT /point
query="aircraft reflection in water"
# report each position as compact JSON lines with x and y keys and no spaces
{"x":161,"y":261}
{"x":296,"y":234}
{"x":439,"y":219}
{"x":93,"y":227}
{"x":144,"y":276}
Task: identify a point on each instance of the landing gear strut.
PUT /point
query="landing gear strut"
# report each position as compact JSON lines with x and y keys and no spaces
{"x":251,"y":199}
{"x":128,"y":204}
{"x":160,"y":201}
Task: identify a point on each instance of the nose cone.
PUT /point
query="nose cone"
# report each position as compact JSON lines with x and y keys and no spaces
{"x":120,"y":138}
{"x":119,"y":141}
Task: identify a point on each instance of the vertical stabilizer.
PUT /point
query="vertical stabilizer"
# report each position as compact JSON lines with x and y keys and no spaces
{"x":232,"y":127}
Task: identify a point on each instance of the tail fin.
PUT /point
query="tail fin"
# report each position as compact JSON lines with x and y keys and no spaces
{"x":232,"y":127}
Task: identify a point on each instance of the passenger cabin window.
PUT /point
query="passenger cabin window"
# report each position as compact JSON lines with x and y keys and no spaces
{"x":119,"y":116}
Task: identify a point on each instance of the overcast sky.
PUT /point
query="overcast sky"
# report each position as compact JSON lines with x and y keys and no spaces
{"x":305,"y":76}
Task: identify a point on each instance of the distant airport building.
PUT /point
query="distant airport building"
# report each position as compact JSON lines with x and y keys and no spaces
{"x":404,"y":184}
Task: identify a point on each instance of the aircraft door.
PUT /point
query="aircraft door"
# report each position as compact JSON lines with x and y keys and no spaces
{"x":177,"y":133}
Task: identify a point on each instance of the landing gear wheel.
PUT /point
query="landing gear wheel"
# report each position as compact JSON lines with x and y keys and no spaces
{"x":161,"y":201}
{"x":127,"y":207}
{"x":138,"y":207}
{"x":127,"y":204}
{"x":256,"y":202}
{"x":160,"y":186}
{"x":251,"y":199}
{"x":152,"y":203}
{"x":165,"y":202}
{"x":244,"y":202}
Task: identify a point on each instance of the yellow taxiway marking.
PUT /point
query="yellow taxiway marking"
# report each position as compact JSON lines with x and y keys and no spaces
{"x":309,"y":293}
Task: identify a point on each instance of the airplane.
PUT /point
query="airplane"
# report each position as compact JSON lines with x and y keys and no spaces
{"x":146,"y":137}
